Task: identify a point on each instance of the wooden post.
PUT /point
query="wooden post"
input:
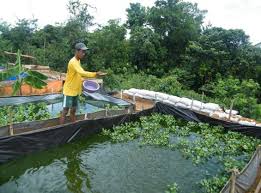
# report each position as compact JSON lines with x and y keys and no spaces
{"x":202,"y":97}
{"x":134,"y":98}
{"x":202,"y":100}
{"x":230,"y":110}
{"x":11,"y":128}
{"x":121,"y":93}
{"x":106,"y":111}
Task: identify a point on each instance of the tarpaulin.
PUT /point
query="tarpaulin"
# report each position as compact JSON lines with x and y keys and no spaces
{"x":16,"y":100}
{"x":105,"y":97}
{"x":190,"y":115}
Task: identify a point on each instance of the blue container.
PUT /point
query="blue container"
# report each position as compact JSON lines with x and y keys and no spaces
{"x":22,"y":75}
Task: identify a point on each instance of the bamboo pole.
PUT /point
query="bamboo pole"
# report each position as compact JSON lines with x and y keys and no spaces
{"x":233,"y":180}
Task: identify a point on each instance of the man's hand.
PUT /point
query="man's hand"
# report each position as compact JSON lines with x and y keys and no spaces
{"x":99,"y":73}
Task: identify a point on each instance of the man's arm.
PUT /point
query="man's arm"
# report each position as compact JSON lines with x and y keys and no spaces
{"x":84,"y":73}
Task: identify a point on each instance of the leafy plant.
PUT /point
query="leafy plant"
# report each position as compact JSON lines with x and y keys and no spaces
{"x":32,"y":78}
{"x":172,"y":188}
{"x":25,"y":112}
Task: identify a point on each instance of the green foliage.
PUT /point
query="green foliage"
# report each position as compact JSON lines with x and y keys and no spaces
{"x":146,"y":52}
{"x":80,"y":14}
{"x":243,"y":93}
{"x":33,"y":78}
{"x":108,"y":48}
{"x":136,"y":15}
{"x":21,"y":35}
{"x":27,"y":112}
{"x":221,"y":52}
{"x":172,"y":188}
{"x":177,"y":22}
{"x":214,"y":185}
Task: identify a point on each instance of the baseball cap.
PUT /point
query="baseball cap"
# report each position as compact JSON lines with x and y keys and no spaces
{"x":80,"y":46}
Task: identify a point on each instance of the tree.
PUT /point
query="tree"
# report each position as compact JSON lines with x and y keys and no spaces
{"x":80,"y":14}
{"x":146,"y":52}
{"x":108,"y":48}
{"x":177,"y":23}
{"x":220,"y":52}
{"x":21,"y":34}
{"x":4,"y":43}
{"x":136,"y":15}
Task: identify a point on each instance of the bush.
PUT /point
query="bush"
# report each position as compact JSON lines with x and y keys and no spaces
{"x":244,"y":93}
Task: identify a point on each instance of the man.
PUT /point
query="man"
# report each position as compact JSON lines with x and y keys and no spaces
{"x":73,"y":82}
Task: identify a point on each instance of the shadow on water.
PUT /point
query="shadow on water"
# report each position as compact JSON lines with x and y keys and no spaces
{"x":95,"y":164}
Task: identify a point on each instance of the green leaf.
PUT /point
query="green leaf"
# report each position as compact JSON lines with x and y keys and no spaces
{"x":35,"y":82}
{"x":37,"y":74}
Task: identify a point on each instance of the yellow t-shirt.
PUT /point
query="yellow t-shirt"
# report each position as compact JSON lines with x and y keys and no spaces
{"x":73,"y":80}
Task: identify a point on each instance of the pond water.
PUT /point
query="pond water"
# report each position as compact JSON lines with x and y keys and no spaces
{"x":97,"y":165}
{"x":56,"y":107}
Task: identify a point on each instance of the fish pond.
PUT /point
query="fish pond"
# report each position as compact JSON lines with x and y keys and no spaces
{"x":156,"y":154}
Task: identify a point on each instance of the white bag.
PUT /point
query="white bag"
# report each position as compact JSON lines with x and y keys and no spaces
{"x":233,"y":112}
{"x":186,"y":101}
{"x":206,"y":111}
{"x":134,"y":90}
{"x":198,"y":104}
{"x":182,"y":105}
{"x":162,"y":96}
{"x":195,"y":108}
{"x":174,"y":99}
{"x":247,"y":123}
{"x":127,"y":92}
{"x":168,"y":102}
{"x":211,"y":106}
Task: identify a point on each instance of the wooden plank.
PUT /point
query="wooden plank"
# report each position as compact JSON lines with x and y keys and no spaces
{"x":23,"y":55}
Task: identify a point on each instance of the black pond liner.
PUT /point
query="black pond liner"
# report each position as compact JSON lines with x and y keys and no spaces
{"x":15,"y":146}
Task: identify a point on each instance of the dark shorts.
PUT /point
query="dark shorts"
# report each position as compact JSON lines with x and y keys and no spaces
{"x":70,"y":101}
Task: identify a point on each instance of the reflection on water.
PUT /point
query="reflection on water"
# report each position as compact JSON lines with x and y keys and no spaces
{"x":96,"y":165}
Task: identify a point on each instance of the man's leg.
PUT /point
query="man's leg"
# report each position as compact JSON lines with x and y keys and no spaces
{"x":72,"y":114}
{"x":73,"y":108}
{"x":64,"y":112}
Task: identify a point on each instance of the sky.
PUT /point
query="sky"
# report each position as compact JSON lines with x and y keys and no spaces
{"x":229,"y":14}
